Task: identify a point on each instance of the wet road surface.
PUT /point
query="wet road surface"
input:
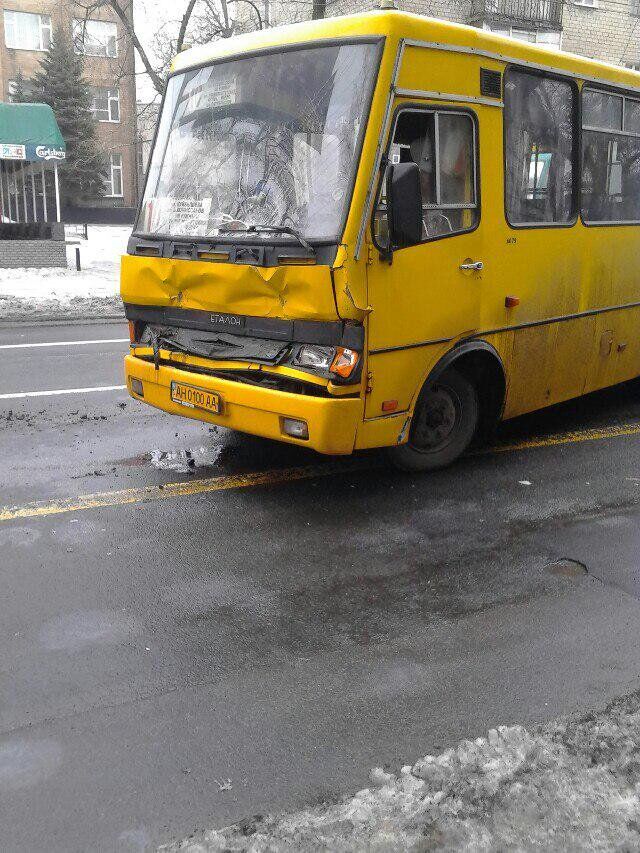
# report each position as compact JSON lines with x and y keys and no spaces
{"x":290,"y":635}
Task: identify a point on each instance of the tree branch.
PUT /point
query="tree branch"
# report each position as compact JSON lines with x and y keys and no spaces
{"x":155,"y":78}
{"x":253,"y":6}
{"x":184,"y":23}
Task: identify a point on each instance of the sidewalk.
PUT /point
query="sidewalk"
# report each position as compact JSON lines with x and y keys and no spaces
{"x":65,"y":294}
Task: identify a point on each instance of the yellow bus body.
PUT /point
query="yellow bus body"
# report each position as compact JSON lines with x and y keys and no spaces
{"x":574,"y":321}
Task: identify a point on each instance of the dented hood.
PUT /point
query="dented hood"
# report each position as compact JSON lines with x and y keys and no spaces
{"x":285,"y":292}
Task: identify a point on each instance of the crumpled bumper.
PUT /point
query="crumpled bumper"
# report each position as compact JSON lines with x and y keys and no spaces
{"x":259,"y":411}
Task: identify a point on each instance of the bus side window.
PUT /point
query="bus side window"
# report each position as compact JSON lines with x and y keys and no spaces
{"x":610,"y":157}
{"x":540,"y":150}
{"x":442,"y":143}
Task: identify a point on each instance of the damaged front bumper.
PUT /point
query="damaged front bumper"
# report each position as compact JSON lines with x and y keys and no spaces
{"x":243,"y":339}
{"x":332,"y":421}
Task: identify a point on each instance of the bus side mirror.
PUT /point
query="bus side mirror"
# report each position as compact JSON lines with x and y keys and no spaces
{"x":404,"y":205}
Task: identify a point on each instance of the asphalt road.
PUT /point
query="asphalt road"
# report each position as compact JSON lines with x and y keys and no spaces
{"x":252,"y":641}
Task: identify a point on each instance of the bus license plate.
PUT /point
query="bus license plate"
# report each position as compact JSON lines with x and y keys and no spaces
{"x":196,"y":398}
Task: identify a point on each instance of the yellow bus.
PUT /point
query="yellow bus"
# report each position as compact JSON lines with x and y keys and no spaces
{"x":384,"y":230}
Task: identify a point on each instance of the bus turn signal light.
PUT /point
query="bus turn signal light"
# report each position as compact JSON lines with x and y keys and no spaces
{"x":511,"y":301}
{"x":132,"y":331}
{"x":389,"y":405}
{"x":344,"y":362}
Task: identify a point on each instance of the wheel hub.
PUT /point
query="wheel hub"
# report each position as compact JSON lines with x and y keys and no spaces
{"x":435,"y":420}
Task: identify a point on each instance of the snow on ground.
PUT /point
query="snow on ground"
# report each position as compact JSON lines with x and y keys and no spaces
{"x":28,"y":293}
{"x":569,"y":785}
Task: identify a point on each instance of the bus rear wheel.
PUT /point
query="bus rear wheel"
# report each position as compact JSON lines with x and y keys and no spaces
{"x":443,"y":425}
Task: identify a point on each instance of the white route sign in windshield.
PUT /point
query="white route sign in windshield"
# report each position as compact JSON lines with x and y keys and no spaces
{"x":180,"y":216}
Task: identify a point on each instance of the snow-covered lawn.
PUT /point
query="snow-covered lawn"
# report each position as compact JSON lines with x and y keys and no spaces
{"x":566,"y":786}
{"x":94,"y":291}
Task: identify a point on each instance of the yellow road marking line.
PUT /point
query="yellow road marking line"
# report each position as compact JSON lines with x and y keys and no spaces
{"x":36,"y":509}
{"x":173,"y":490}
{"x":571,"y":437}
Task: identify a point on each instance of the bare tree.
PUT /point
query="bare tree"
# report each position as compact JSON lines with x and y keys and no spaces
{"x":125,"y":15}
{"x":200,"y":21}
{"x":197,"y":22}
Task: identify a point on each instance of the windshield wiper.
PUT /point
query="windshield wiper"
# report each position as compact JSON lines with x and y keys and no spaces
{"x":269,"y":229}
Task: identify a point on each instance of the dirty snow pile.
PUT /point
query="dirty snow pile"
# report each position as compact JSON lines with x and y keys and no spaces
{"x":27,"y":293}
{"x":566,"y":786}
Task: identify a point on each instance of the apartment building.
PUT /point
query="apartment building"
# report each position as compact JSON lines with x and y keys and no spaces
{"x":26,"y":30}
{"x":600,"y":29}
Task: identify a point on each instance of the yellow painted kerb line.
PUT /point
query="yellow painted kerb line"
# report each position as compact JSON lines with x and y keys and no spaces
{"x":174,"y":490}
{"x":573,"y":437}
{"x":36,"y":509}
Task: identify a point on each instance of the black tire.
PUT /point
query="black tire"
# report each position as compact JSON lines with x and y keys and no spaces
{"x":443,"y":424}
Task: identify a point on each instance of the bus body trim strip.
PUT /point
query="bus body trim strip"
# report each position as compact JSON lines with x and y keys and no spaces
{"x":446,"y":96}
{"x":410,"y":346}
{"x":531,"y":324}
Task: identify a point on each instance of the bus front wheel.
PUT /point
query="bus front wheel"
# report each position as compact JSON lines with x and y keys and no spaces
{"x":444,"y":422}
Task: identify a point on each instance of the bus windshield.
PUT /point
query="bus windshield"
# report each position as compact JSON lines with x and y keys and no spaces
{"x":264,"y":141}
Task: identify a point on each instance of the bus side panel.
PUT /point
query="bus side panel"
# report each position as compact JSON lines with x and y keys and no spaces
{"x":529,"y":370}
{"x":399,"y":375}
{"x":613,"y":279}
{"x":545,"y":368}
{"x":448,"y":72}
{"x":616,"y":351}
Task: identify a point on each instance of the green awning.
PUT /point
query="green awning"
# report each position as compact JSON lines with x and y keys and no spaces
{"x":30,"y":132}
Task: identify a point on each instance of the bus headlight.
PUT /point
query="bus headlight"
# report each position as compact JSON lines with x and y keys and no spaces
{"x":317,"y":358}
{"x":338,"y":360}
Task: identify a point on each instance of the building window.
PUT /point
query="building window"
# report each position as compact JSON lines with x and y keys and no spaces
{"x":541,"y":149}
{"x":113,"y":179}
{"x":547,"y":38}
{"x":26,"y":31}
{"x":610,"y":157}
{"x":105,"y":104}
{"x":632,"y":66}
{"x":95,"y":38}
{"x":140,"y":158}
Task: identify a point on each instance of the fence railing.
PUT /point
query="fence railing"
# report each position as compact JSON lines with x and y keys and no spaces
{"x":77,"y":230}
{"x":541,"y":14}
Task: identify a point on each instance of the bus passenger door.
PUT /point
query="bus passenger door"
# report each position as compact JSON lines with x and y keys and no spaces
{"x":425,"y":296}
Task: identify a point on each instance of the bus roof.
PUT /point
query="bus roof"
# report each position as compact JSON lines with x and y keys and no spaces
{"x":402,"y":25}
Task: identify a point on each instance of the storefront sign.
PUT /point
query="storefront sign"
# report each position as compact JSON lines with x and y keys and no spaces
{"x":12,"y":152}
{"x":32,"y":153}
{"x":45,"y":152}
